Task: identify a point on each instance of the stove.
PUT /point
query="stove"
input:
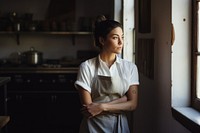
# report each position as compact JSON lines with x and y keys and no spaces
{"x":47,"y":63}
{"x":52,"y":65}
{"x":39,"y":97}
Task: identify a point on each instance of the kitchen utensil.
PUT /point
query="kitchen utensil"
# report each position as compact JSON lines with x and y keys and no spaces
{"x":15,"y":58}
{"x":33,"y":57}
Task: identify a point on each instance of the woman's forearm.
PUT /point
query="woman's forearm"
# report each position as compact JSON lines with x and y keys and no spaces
{"x":119,"y":107}
{"x":127,"y":103}
{"x":119,"y":100}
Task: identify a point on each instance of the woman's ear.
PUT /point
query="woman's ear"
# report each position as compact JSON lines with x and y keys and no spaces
{"x":101,"y":40}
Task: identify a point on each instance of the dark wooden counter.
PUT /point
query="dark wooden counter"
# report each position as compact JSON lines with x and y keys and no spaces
{"x":38,"y":70}
{"x":4,"y":80}
{"x":4,"y":120}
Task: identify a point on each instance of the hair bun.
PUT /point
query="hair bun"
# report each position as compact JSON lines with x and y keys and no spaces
{"x":99,"y":19}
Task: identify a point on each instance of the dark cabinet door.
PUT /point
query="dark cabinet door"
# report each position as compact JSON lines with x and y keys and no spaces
{"x":2,"y":106}
{"x":64,"y":112}
{"x":44,"y":112}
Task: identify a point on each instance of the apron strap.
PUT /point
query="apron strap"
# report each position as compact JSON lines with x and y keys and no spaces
{"x":96,"y":66}
{"x":95,"y":70}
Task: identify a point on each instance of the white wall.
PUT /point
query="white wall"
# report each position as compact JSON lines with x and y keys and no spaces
{"x":154,"y":111}
{"x":181,"y":52}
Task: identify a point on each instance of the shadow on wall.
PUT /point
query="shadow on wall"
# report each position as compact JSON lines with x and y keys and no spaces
{"x":146,"y":57}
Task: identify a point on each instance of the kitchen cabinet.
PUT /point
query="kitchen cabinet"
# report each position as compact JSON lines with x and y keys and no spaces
{"x":43,"y":102}
{"x":44,"y":112}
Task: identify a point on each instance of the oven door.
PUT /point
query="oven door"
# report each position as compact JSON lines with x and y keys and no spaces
{"x":44,"y":112}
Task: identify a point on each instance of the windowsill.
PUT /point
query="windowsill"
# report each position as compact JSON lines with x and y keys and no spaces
{"x":188,"y":117}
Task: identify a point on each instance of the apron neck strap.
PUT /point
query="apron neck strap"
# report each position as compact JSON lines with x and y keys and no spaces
{"x":96,"y":66}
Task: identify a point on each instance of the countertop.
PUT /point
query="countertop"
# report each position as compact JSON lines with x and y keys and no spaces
{"x":4,"y":80}
{"x":5,"y":70}
{"x":4,"y":120}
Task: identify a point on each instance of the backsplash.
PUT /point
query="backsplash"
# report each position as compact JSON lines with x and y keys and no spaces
{"x":52,"y":46}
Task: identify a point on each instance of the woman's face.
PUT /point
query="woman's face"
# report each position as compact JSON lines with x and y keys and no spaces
{"x":114,"y":41}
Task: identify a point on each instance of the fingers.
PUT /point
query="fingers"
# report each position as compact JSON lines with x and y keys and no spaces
{"x":91,"y":110}
{"x":85,"y":112}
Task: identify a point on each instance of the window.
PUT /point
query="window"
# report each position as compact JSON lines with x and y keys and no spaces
{"x":185,"y":74}
{"x":196,"y":56}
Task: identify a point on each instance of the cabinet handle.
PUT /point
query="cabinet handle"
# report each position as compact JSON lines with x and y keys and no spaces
{"x":19,"y":97}
{"x":53,"y":98}
{"x":53,"y":81}
{"x":7,"y":99}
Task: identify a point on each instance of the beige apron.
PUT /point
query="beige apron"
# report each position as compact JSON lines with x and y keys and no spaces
{"x":105,"y":89}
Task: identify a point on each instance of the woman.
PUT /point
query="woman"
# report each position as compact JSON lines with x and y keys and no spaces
{"x":107,"y":84}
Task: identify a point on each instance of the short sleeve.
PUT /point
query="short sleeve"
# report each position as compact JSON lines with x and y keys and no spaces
{"x":84,"y":77}
{"x":134,"y":77}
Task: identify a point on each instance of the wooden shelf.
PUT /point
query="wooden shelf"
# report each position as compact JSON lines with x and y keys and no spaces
{"x":18,"y":33}
{"x":49,"y":32}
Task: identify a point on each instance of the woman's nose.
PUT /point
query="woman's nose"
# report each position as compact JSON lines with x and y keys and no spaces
{"x":121,"y":41}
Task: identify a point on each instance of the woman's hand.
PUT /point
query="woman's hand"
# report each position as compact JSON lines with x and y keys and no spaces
{"x":92,"y":109}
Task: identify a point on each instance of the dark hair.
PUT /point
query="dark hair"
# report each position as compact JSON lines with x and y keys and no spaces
{"x":103,"y":27}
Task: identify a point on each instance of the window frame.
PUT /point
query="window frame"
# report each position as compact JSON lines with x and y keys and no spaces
{"x":195,"y":102}
{"x":185,"y":107}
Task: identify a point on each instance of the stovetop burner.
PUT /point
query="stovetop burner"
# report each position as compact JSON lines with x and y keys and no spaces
{"x":52,"y":65}
{"x":48,"y":63}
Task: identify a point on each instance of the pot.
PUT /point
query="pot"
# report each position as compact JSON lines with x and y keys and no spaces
{"x":33,"y":57}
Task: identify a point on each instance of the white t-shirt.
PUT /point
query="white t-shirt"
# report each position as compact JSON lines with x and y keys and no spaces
{"x":87,"y":70}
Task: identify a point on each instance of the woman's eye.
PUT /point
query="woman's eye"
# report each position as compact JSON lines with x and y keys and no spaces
{"x":115,"y":37}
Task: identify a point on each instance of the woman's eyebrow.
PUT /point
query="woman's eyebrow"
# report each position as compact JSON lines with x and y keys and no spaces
{"x":117,"y":34}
